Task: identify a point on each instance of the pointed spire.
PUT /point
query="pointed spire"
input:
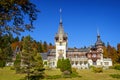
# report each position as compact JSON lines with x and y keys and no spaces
{"x":60,"y":15}
{"x":99,"y":41}
{"x":61,"y":30}
{"x":61,"y":34}
{"x":98,"y":34}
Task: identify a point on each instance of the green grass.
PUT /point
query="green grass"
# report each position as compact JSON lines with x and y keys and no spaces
{"x":7,"y":74}
{"x":87,"y":75}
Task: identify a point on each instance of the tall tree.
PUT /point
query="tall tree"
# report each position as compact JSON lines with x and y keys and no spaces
{"x":45,"y":46}
{"x":16,"y":39}
{"x":31,"y":60}
{"x":13,"y":14}
{"x":105,"y":52}
{"x":112,"y":53}
{"x":40,"y":47}
{"x":5,"y":46}
{"x":17,"y":63}
{"x":38,"y":69}
{"x":26,"y":54}
{"x":118,"y":53}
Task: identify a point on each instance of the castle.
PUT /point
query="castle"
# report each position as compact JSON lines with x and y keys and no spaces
{"x":81,"y":58}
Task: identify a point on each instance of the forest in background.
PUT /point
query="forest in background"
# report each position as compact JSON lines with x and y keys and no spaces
{"x":10,"y":45}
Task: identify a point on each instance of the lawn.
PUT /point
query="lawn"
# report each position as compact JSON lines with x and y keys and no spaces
{"x":7,"y":74}
{"x":87,"y":74}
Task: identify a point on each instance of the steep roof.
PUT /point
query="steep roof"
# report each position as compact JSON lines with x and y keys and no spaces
{"x":61,"y":32}
{"x":99,"y":41}
{"x":44,"y":56}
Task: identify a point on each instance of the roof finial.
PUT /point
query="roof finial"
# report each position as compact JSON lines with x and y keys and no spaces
{"x":60,"y":15}
{"x":98,"y":34}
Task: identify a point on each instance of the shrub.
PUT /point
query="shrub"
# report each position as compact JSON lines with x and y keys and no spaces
{"x":117,"y":66}
{"x":91,"y":67}
{"x":115,"y":76}
{"x":98,"y":69}
{"x":64,"y":64}
{"x":2,"y":63}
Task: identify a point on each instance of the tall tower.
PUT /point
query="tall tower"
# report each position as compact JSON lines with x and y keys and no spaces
{"x":61,"y":41}
{"x":99,"y":46}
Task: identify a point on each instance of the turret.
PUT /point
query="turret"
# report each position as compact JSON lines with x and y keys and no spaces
{"x":99,"y":43}
{"x":61,"y":40}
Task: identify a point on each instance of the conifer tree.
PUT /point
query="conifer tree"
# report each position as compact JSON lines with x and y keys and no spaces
{"x":64,"y":65}
{"x":17,"y":63}
{"x":31,"y":60}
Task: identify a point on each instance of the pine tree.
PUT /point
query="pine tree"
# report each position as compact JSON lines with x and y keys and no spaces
{"x":45,"y":46}
{"x":40,"y":48}
{"x":26,"y":55}
{"x":32,"y":63}
{"x":38,"y":69}
{"x":17,"y":63}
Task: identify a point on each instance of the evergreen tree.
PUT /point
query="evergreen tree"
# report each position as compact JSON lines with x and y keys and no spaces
{"x":5,"y":47}
{"x":118,"y":53}
{"x":64,"y":65}
{"x":38,"y":69}
{"x":45,"y":46}
{"x":17,"y":63}
{"x":2,"y":60}
{"x":16,"y":39}
{"x":59,"y":63}
{"x":26,"y":54}
{"x":32,"y":62}
{"x":40,"y":48}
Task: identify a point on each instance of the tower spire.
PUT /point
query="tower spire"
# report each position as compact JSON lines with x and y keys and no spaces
{"x":99,"y":41}
{"x":98,"y":34}
{"x":60,"y":15}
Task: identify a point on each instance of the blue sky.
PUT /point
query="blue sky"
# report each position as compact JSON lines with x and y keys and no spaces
{"x":81,"y":19}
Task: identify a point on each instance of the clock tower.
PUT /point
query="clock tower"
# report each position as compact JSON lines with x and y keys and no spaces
{"x":61,"y":41}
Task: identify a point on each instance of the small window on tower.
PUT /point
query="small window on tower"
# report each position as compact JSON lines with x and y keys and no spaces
{"x":56,"y":38}
{"x":60,"y":43}
{"x":64,"y":39}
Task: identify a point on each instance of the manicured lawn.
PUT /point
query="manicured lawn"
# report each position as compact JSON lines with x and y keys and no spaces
{"x":7,"y":74}
{"x":87,"y":75}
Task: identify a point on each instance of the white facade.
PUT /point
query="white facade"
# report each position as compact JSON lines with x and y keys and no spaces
{"x":60,"y":50}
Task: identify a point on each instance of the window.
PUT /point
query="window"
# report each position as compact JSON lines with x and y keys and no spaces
{"x":106,"y":63}
{"x":94,"y":63}
{"x":60,"y":43}
{"x":94,"y":55}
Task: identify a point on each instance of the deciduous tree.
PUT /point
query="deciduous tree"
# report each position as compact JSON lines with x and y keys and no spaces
{"x":13,"y":14}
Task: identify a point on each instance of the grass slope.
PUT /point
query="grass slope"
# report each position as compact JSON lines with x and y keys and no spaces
{"x":7,"y":74}
{"x":87,"y":74}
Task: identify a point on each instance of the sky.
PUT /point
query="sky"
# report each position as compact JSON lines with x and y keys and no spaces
{"x":81,"y":21}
